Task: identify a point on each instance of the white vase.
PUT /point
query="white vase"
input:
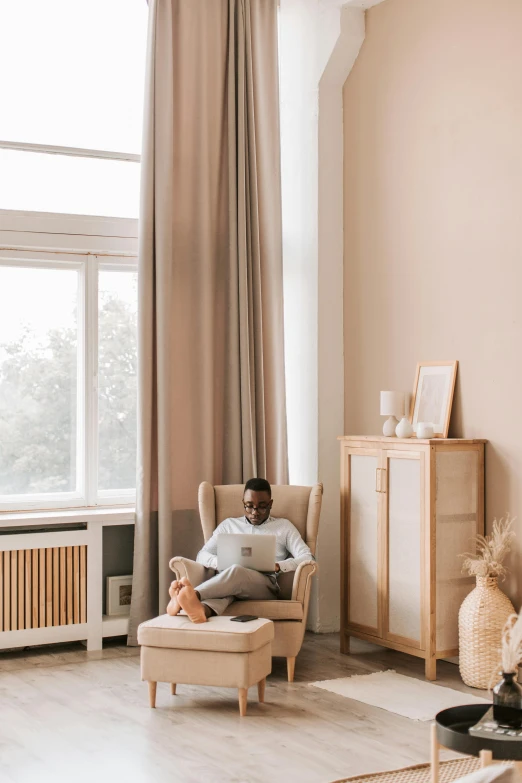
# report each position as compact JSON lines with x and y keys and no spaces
{"x":404,"y":428}
{"x":389,"y":427}
{"x":425,"y":430}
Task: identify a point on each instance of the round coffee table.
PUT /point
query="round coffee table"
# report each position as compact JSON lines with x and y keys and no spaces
{"x":450,"y":730}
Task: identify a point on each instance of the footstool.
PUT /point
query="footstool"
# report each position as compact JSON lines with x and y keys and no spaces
{"x":219,"y":652}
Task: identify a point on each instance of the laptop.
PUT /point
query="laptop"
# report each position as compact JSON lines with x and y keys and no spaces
{"x":248,"y":550}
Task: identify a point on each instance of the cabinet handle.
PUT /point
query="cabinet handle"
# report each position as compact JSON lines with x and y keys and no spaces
{"x":378,"y":480}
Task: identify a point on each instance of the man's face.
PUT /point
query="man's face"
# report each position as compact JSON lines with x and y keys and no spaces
{"x":257,"y":506}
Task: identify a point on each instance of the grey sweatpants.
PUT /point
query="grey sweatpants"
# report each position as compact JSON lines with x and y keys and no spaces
{"x":237,"y":584}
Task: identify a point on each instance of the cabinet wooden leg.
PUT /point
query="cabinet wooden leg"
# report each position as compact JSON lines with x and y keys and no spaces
{"x":261,"y":690}
{"x":152,"y":693}
{"x":173,"y":688}
{"x":243,"y":692}
{"x":290,"y":665}
{"x":431,"y":668}
{"x":486,"y":757}
{"x":434,"y":754}
{"x":345,"y":644}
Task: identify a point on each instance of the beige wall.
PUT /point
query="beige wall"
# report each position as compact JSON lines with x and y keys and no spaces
{"x":433,"y":222}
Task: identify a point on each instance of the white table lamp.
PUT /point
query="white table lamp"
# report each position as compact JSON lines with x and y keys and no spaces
{"x":392,"y":405}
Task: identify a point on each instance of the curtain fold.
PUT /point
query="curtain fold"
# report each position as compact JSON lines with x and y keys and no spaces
{"x":211,"y":396}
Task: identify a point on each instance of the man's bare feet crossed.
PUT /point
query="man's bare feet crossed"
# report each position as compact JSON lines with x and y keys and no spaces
{"x":183,"y":596}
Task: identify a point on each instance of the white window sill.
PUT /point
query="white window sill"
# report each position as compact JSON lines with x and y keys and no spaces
{"x":109,"y":515}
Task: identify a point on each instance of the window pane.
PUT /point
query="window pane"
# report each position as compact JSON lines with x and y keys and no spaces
{"x":39,"y":182}
{"x":117,"y":364}
{"x":75,"y":72}
{"x":38,"y":380}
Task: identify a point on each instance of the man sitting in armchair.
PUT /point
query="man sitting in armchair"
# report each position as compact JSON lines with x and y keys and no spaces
{"x":237,"y":583}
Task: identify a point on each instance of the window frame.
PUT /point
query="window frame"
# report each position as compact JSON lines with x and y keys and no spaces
{"x":86,"y":244}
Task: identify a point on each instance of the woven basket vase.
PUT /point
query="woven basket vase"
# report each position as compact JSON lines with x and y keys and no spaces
{"x":481,"y":619}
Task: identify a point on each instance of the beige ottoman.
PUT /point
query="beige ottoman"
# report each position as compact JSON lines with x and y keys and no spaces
{"x":218,"y":652}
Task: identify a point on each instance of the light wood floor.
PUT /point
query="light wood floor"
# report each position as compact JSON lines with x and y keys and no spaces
{"x":69,"y":715}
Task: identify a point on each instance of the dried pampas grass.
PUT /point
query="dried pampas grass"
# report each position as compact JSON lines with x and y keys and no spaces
{"x":512,"y":643}
{"x":491,"y":550}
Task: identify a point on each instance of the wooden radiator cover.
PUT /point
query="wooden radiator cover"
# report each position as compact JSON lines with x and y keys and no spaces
{"x":45,"y":587}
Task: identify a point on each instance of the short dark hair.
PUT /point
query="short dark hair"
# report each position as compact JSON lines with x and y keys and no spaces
{"x":258,"y":485}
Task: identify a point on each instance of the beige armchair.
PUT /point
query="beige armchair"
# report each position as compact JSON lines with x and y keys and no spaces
{"x":302,"y":506}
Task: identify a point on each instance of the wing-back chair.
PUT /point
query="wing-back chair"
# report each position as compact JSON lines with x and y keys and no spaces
{"x":302,"y":506}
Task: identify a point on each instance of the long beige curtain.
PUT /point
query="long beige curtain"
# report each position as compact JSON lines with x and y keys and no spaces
{"x":211,"y":364}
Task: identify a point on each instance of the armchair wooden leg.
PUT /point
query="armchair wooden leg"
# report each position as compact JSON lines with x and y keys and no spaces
{"x":243,"y":692}
{"x":261,"y":690}
{"x":173,"y":688}
{"x":152,"y":693}
{"x":290,"y":665}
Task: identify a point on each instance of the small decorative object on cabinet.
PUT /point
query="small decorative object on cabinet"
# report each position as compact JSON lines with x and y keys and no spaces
{"x":424,"y":430}
{"x":392,"y":405}
{"x":408,"y":508}
{"x":404,"y":428}
{"x":486,"y":609}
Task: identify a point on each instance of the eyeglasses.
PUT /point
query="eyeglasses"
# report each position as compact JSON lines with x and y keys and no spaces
{"x":261,"y":507}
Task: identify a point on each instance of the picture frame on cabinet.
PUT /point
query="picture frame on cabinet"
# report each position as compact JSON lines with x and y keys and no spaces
{"x":433,"y":392}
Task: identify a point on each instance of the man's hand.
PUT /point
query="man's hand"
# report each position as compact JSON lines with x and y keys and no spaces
{"x":277,"y":568}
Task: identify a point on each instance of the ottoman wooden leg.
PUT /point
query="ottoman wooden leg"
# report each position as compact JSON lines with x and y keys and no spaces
{"x":290,"y":665}
{"x":434,"y":754}
{"x":243,"y":692}
{"x":152,"y":693}
{"x":261,"y":690}
{"x":173,"y":688}
{"x":486,"y":757}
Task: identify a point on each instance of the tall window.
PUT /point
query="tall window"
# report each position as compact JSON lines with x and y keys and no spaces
{"x":75,"y":83}
{"x":67,"y":381}
{"x":70,"y":137}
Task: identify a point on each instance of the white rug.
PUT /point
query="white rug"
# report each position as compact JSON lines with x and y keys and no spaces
{"x":415,"y":699}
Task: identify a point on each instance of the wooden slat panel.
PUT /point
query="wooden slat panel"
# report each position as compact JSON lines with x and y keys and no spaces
{"x":28,"y":593}
{"x":48,"y":587}
{"x":14,"y":591}
{"x":1,"y":592}
{"x":83,"y":584}
{"x":21,"y":600}
{"x":69,"y":585}
{"x":63,"y":586}
{"x":34,"y":578}
{"x":76,"y":584}
{"x":41,"y":588}
{"x":7,"y":591}
{"x":56,"y":586}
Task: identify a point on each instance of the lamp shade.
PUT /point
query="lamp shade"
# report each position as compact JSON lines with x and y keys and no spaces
{"x":392,"y":403}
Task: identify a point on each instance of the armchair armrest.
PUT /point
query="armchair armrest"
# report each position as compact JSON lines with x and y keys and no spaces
{"x":196,"y":572}
{"x":303,"y":580}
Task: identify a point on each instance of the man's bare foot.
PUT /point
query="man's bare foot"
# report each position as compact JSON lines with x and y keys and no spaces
{"x":190,"y":603}
{"x":174,"y":607}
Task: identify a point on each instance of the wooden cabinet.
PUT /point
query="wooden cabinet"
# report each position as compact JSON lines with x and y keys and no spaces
{"x":409,"y":508}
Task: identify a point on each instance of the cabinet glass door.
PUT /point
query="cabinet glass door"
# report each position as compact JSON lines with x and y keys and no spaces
{"x":363,"y":544}
{"x":404,"y":493}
